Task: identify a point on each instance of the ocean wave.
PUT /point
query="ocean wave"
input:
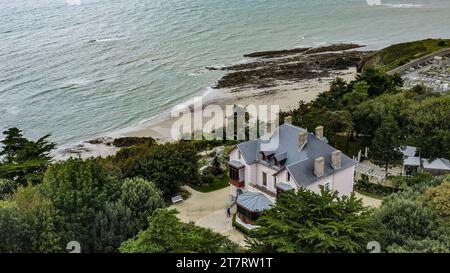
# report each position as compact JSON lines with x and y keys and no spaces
{"x":403,"y":5}
{"x":380,"y":3}
{"x":104,"y":40}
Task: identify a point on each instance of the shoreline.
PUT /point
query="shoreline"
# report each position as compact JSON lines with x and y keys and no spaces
{"x":286,"y":94}
{"x":309,"y":80}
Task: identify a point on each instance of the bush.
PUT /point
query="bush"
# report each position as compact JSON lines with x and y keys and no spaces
{"x":207,"y":179}
{"x":142,"y":197}
{"x":239,"y":226}
{"x":365,"y":185}
{"x":7,"y":188}
{"x":403,"y":218}
{"x":420,"y":178}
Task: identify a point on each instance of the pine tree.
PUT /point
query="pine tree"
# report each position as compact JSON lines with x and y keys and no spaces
{"x":386,"y":144}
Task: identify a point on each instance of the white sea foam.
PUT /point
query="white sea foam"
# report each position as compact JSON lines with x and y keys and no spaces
{"x":380,"y":3}
{"x":403,"y":5}
{"x":73,"y":2}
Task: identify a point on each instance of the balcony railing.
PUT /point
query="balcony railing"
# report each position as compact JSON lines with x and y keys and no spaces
{"x":236,"y":183}
{"x":265,"y":190}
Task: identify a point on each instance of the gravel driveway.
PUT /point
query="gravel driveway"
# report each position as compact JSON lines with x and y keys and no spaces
{"x":209,"y":210}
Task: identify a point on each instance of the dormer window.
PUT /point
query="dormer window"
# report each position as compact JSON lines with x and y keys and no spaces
{"x":267,"y":155}
{"x":280,"y":159}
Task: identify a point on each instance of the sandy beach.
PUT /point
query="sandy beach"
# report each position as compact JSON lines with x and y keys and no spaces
{"x":286,"y":94}
{"x":267,"y":80}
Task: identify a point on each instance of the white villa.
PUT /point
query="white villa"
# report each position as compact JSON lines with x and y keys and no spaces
{"x":288,"y":159}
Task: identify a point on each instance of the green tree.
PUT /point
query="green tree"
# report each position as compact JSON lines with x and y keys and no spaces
{"x":7,"y":188}
{"x":79,"y":191}
{"x":127,"y":161}
{"x":305,"y":222}
{"x":166,"y":234}
{"x":337,"y":122}
{"x":421,"y":246}
{"x":438,"y":198}
{"x":379,"y":82}
{"x":332,"y":98}
{"x":402,"y":217}
{"x":142,"y":197}
{"x":367,"y":116}
{"x":13,"y":230}
{"x":39,"y":215}
{"x":216,"y":168}
{"x":359,"y":94}
{"x":170,"y":165}
{"x":430,"y":126}
{"x":386,"y":144}
{"x":23,"y":160}
{"x":113,"y":225}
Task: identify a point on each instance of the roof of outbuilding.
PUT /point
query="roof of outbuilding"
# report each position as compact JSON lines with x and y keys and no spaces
{"x":437,"y":164}
{"x":254,"y":201}
{"x":409,"y":151}
{"x":412,"y":161}
{"x":300,"y":163}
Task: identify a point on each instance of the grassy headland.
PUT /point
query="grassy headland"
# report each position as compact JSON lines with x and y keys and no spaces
{"x":400,"y":54}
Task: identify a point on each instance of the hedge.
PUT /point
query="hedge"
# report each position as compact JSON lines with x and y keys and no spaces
{"x":365,"y":185}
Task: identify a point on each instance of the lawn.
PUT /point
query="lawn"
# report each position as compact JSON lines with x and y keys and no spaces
{"x":220,"y":182}
{"x":371,"y":195}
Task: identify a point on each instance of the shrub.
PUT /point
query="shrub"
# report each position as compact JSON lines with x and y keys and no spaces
{"x":366,"y":186}
{"x":207,"y":179}
{"x":239,"y":226}
{"x":403,"y":217}
{"x":7,"y":188}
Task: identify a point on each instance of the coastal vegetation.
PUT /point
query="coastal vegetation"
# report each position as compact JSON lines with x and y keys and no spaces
{"x":22,"y":160}
{"x":307,"y":222}
{"x":413,"y":220}
{"x":100,"y":202}
{"x":400,"y":54}
{"x":166,"y":234}
{"x":373,"y":111}
{"x":117,"y":204}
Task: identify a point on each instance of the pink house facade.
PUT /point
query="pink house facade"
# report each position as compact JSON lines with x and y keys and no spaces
{"x":289,"y":159}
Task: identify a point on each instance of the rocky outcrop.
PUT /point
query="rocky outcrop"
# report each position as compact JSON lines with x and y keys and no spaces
{"x":306,"y":64}
{"x":121,"y":142}
{"x":131,"y":141}
{"x":305,"y":50}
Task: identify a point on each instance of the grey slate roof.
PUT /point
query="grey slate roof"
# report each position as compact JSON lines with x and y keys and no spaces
{"x":412,"y":161}
{"x":409,"y":151}
{"x":284,"y":186}
{"x":236,"y":164}
{"x":299,"y":163}
{"x":281,"y":156}
{"x":254,"y":201}
{"x":437,"y":164}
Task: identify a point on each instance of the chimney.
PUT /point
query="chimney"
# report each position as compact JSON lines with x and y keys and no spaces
{"x":319,"y":166}
{"x":302,"y":139}
{"x":288,"y":120}
{"x":319,"y":132}
{"x":336,"y":158}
